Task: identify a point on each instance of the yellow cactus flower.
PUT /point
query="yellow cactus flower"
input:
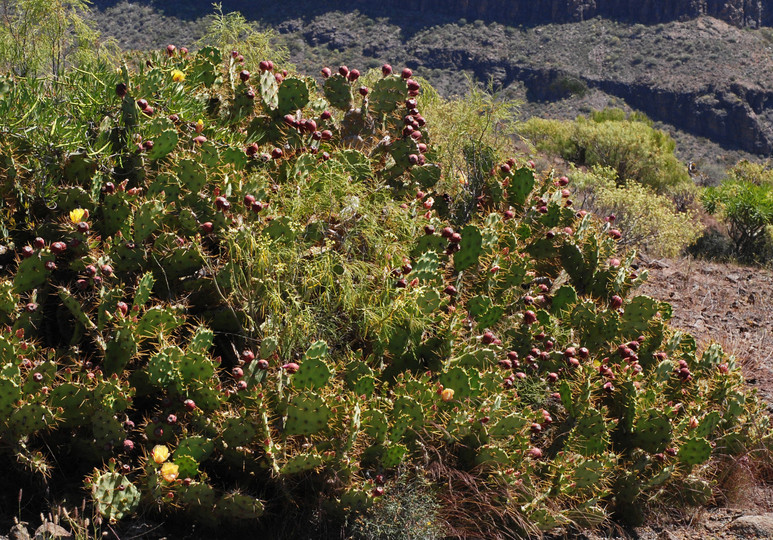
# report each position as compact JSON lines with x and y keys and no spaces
{"x":447,"y":394}
{"x":169,"y":472}
{"x":78,"y":215}
{"x":199,"y":126}
{"x":160,"y":453}
{"x":178,"y":76}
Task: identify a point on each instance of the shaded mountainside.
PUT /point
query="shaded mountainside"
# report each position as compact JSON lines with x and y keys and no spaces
{"x":702,"y":76}
{"x":751,"y":13}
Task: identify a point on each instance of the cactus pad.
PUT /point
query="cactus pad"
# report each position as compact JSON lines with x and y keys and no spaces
{"x":652,"y":432}
{"x":694,"y":452}
{"x":388,"y":94}
{"x":115,"y":495}
{"x":293,"y":95}
{"x":338,"y":92}
{"x":470,"y":248}
{"x":306,"y":414}
{"x":302,"y":463}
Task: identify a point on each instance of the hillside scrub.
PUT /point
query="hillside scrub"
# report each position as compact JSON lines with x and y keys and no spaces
{"x":631,"y":146}
{"x":650,"y":222}
{"x":744,"y":201}
{"x":246,"y":299}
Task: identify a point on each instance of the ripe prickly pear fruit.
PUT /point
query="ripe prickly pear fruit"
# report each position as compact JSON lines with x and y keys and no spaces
{"x":106,"y":270}
{"x":201,"y":139}
{"x":529,"y":317}
{"x":82,"y":227}
{"x":249,"y":200}
{"x":291,"y":367}
{"x":247,"y":356}
{"x":128,"y":445}
{"x":407,"y":73}
{"x":353,"y":75}
{"x":447,"y":232}
{"x":262,"y":364}
{"x":277,"y":153}
{"x":615,"y":234}
{"x":142,"y":104}
{"x":171,"y":419}
{"x":326,"y":115}
{"x":222,"y":203}
{"x":326,"y":72}
{"x":237,"y":372}
{"x":534,"y":453}
{"x":170,"y":50}
{"x":343,"y":71}
{"x":123,"y":308}
{"x":450,"y":290}
{"x":120,"y":89}
{"x":429,"y":229}
{"x":58,"y":248}
{"x":189,"y":405}
{"x":455,"y":238}
{"x":377,"y":491}
{"x":363,"y":91}
{"x":207,"y":227}
{"x":27,"y":251}
{"x":244,"y":75}
{"x":401,"y":284}
{"x":616,"y":302}
{"x":264,"y":65}
{"x":488,"y":338}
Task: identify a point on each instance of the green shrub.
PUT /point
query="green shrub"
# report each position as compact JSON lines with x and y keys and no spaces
{"x":649,"y":221}
{"x":746,"y":207}
{"x":631,"y":146}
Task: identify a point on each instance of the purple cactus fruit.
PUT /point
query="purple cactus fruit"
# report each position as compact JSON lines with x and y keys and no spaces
{"x":353,"y":75}
{"x":106,"y":270}
{"x":529,"y":317}
{"x":386,"y":70}
{"x":237,"y":372}
{"x":534,"y":453}
{"x":207,"y":227}
{"x":171,"y":419}
{"x":450,"y":290}
{"x":264,"y":65}
{"x":249,"y":200}
{"x":244,"y":75}
{"x":616,"y":302}
{"x":170,"y":50}
{"x":363,"y":91}
{"x":277,"y":153}
{"x":262,"y":364}
{"x":189,"y":405}
{"x":27,"y":252}
{"x":247,"y":356}
{"x":121,"y":89}
{"x":401,"y":284}
{"x":455,"y":238}
{"x":128,"y":445}
{"x":326,"y":72}
{"x":343,"y":71}
{"x":123,"y":308}
{"x":407,"y":73}
{"x":291,"y":367}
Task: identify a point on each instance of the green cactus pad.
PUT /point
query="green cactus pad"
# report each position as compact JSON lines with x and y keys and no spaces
{"x":491,"y":455}
{"x":313,"y":374}
{"x":157,"y":321}
{"x":338,"y":92}
{"x":147,"y":219}
{"x":427,"y":268}
{"x":163,"y":144}
{"x":590,"y":474}
{"x":120,"y":349}
{"x":79,"y":168}
{"x":293,"y":95}
{"x":360,"y":378}
{"x":9,"y":394}
{"x":564,"y":298}
{"x":356,"y":164}
{"x":238,"y":507}
{"x":281,"y":229}
{"x":162,"y":367}
{"x":388,"y":94}
{"x":521,"y":184}
{"x":401,"y":149}
{"x":464,"y":384}
{"x":638,"y":313}
{"x":375,"y":424}
{"x":238,"y":432}
{"x":508,"y":426}
{"x":115,"y":495}
{"x":652,"y":432}
{"x":307,"y":414}
{"x":426,"y":175}
{"x":393,"y":455}
{"x":116,"y":213}
{"x":192,"y":175}
{"x":196,"y":447}
{"x":75,"y":308}
{"x":30,"y":418}
{"x":269,"y":90}
{"x":470,"y":248}
{"x":197,"y":494}
{"x":484,"y":311}
{"x":694,"y":452}
{"x":32,"y":273}
{"x":302,"y":463}
{"x":429,"y":243}
{"x":195,"y":367}
{"x":477,"y":358}
{"x":707,"y":425}
{"x":590,"y":436}
{"x":72,"y":197}
{"x":106,"y":428}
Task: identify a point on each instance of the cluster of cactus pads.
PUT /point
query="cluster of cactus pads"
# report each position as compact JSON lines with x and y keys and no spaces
{"x":138,"y":335}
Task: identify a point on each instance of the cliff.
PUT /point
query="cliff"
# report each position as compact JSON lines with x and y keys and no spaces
{"x":741,"y":13}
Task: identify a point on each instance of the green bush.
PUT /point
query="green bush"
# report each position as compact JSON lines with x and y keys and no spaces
{"x":746,"y":207}
{"x":649,"y":221}
{"x":632,"y":147}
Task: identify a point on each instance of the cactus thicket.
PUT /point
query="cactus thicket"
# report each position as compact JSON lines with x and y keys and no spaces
{"x":238,"y":281}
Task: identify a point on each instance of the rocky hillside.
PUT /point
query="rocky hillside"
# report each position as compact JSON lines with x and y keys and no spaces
{"x":751,"y":13}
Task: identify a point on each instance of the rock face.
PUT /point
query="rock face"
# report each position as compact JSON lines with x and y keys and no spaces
{"x":742,"y":13}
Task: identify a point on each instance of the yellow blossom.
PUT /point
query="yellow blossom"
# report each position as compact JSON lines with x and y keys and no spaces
{"x":447,"y":394}
{"x":160,"y":453}
{"x":169,"y":471}
{"x":178,"y":76}
{"x":199,"y":126}
{"x":78,"y":215}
